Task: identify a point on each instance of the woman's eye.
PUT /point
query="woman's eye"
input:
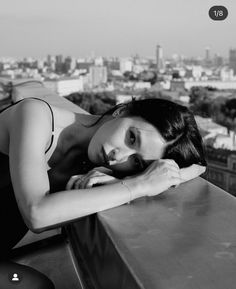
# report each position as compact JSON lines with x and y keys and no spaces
{"x":132,"y":137}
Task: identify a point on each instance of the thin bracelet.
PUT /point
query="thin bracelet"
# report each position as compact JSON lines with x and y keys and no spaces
{"x":130,"y":193}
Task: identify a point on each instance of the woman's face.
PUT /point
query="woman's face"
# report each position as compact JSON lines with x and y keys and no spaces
{"x":126,"y":145}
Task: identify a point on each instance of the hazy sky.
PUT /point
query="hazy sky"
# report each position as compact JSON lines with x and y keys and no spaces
{"x":113,"y":27}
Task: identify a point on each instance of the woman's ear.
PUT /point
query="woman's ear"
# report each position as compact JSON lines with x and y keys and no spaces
{"x":119,"y":111}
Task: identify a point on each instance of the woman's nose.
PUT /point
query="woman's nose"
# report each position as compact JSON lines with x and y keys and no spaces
{"x":119,"y":156}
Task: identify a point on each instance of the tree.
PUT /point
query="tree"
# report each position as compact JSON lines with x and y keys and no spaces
{"x":200,"y":102}
{"x":148,"y":76}
{"x":130,"y":76}
{"x":227,"y":115}
{"x":94,"y":103}
{"x":198,"y":93}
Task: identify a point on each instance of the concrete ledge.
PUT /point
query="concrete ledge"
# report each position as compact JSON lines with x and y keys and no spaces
{"x":184,"y":238}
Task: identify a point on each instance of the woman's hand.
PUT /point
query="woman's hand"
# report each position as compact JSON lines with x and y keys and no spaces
{"x":191,"y":172}
{"x":165,"y":173}
{"x":97,"y":176}
{"x":160,"y":176}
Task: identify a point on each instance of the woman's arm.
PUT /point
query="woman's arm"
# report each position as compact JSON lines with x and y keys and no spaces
{"x":29,"y":136}
{"x":57,"y":209}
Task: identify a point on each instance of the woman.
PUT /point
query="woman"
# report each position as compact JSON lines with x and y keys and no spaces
{"x":42,"y":146}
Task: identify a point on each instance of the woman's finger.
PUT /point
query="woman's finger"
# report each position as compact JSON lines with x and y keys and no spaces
{"x":171,"y":162}
{"x":105,"y":179}
{"x":175,"y":182}
{"x":71,"y":181}
{"x":89,"y":181}
{"x":83,"y":182}
{"x":95,"y":176}
{"x":103,"y":170}
{"x":175,"y":174}
{"x":173,"y":168}
{"x":165,"y":184}
{"x":76,"y":182}
{"x":191,"y":172}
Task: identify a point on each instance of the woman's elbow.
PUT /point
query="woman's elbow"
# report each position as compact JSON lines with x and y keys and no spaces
{"x":36,"y":230}
{"x":33,"y":220}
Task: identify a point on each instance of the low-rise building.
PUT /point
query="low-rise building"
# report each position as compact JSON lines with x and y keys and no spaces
{"x":181,"y":84}
{"x":211,"y":83}
{"x":209,"y":127}
{"x":65,"y":86}
{"x":97,"y":75}
{"x":222,"y":168}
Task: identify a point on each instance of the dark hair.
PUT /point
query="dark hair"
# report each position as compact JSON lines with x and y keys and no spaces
{"x":175,"y":123}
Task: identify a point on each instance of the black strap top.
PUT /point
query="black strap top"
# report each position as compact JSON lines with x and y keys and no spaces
{"x":51,"y":113}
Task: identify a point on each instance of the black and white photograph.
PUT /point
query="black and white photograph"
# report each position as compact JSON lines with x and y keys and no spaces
{"x":117,"y":144}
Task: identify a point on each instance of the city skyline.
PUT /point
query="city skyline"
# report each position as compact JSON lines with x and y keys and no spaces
{"x":114,"y":28}
{"x":92,"y":55}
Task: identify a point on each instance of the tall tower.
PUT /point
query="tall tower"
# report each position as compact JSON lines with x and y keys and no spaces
{"x":207,"y":53}
{"x":159,"y":59}
{"x":207,"y":57}
{"x":232,"y":60}
{"x":59,"y":63}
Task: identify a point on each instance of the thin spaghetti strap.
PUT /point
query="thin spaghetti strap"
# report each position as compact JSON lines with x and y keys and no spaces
{"x":49,"y":108}
{"x":52,"y":138}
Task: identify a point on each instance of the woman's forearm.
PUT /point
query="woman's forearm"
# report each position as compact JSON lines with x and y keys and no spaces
{"x":59,"y":208}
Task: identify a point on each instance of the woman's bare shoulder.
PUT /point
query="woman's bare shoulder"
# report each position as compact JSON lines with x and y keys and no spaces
{"x":26,"y":106}
{"x":22,"y":116}
{"x":30,"y":115}
{"x":29,"y":110}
